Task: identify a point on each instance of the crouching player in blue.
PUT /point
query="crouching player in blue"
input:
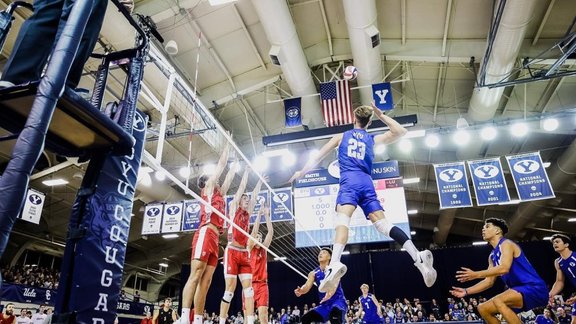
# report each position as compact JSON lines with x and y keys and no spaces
{"x":370,"y":306}
{"x":526,"y":290}
{"x":331,"y":309}
{"x":565,"y":268}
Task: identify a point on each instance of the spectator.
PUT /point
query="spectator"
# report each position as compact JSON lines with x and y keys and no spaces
{"x":283,"y":317}
{"x":545,"y":318}
{"x":40,"y":316}
{"x":136,"y":296}
{"x":123,"y":294}
{"x":7,"y":315}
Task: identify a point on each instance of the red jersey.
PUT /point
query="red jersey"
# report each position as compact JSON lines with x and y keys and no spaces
{"x":242,"y":219}
{"x":7,"y":320}
{"x":217,"y":203}
{"x":258,"y":261}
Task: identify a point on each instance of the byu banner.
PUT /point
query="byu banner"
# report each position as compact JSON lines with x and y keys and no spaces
{"x":489,"y":183}
{"x":530,"y":176}
{"x":172,"y":218}
{"x":98,"y":231}
{"x":277,"y":210}
{"x":28,"y":295}
{"x":132,"y":308}
{"x":452,"y":183}
{"x":191,"y":219}
{"x":293,"y":110}
{"x":152,"y":221}
{"x":382,"y":94}
{"x":32,"y":211}
{"x":263,"y":198}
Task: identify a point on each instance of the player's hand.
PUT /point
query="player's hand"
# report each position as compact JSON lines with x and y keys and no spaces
{"x":375,"y":109}
{"x":329,"y":294}
{"x":465,"y":274}
{"x":458,"y":292}
{"x":296,"y":175}
{"x":298,"y":292}
{"x":570,"y":301}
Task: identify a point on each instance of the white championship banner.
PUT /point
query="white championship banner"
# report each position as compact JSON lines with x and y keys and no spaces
{"x":152,"y":219}
{"x":172,"y":218}
{"x":32,"y":210}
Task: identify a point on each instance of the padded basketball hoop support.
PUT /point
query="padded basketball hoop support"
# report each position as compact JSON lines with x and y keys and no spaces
{"x":30,"y":142}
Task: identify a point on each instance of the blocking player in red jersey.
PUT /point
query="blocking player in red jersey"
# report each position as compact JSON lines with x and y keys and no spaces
{"x":236,"y":261}
{"x":258,"y":261}
{"x":205,"y":241}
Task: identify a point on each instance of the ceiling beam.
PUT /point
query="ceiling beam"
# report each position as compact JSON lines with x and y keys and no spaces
{"x":250,"y":39}
{"x":543,"y":22}
{"x":403,"y":20}
{"x":446,"y":26}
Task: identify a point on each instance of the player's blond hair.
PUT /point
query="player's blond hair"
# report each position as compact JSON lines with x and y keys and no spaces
{"x":363,"y":114}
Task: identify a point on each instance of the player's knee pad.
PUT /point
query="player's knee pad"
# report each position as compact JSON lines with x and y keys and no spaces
{"x":245,"y":276}
{"x":383,"y":226}
{"x":227,"y":298}
{"x":342,"y":219}
{"x":248,"y":292}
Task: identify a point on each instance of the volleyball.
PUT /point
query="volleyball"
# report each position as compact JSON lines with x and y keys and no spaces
{"x":350,"y":72}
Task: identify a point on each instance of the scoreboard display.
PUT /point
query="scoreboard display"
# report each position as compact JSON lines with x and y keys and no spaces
{"x":315,"y":206}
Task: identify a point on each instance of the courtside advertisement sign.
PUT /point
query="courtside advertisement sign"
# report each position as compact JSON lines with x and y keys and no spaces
{"x":530,"y":176}
{"x":452,"y":183}
{"x":489,"y":182}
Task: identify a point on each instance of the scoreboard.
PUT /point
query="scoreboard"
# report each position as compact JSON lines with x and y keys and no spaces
{"x":315,"y":206}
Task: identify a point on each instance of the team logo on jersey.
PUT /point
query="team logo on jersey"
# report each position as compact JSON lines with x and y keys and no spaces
{"x":35,"y":199}
{"x":172,"y":210}
{"x":281,"y":197}
{"x":451,"y":175}
{"x":486,"y":171}
{"x":319,"y":191}
{"x":526,"y":166}
{"x":358,"y":135}
{"x":139,"y":123}
{"x":572,"y":264}
{"x":193,"y":208}
{"x":153,"y":212}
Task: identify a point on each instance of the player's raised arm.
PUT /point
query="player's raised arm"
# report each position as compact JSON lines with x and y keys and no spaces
{"x":304,"y":289}
{"x":241,"y":188}
{"x":229,"y":177}
{"x":313,"y":162}
{"x":254,"y":198}
{"x":477,"y":288}
{"x":268,"y":239}
{"x":396,"y":130}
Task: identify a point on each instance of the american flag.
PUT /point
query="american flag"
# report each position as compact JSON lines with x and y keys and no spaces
{"x":336,"y":103}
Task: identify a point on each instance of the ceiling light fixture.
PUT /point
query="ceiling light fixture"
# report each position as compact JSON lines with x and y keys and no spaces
{"x":412,"y":211}
{"x":345,"y":252}
{"x":488,"y":133}
{"x":546,"y":164}
{"x":479,"y":243}
{"x":550,"y":124}
{"x":405,"y":145}
{"x":412,"y":232}
{"x":547,"y":238}
{"x":432,"y":140}
{"x":379,"y":149}
{"x":170,"y":236}
{"x":54,"y":182}
{"x":159,"y":175}
{"x":260,"y":163}
{"x":279,"y":258}
{"x":165,"y":265}
{"x":461,"y":137}
{"x":184,"y":172}
{"x":572,"y":220}
{"x":519,"y":129}
{"x":220,"y":2}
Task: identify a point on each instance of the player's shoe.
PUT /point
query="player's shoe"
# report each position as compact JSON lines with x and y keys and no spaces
{"x":182,"y":320}
{"x":425,"y":264}
{"x":333,"y":274}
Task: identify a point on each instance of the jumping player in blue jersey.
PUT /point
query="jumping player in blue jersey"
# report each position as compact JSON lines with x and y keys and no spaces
{"x":355,"y":155}
{"x":370,"y":306}
{"x":565,"y":268}
{"x":526,"y":290}
{"x":332,"y":308}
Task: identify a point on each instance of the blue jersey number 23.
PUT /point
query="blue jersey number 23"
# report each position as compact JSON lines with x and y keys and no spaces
{"x":356,"y":149}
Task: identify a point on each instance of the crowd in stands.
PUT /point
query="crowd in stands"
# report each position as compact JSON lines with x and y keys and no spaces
{"x":406,"y":311}
{"x":31,"y":276}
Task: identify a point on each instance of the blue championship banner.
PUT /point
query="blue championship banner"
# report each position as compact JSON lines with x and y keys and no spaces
{"x":382,"y":95}
{"x":277,"y":210}
{"x":98,"y":231}
{"x":293,"y":111}
{"x":530,"y":176}
{"x":28,"y":295}
{"x":452,"y":183}
{"x":191,"y":216}
{"x":489,"y":182}
{"x":263,"y":198}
